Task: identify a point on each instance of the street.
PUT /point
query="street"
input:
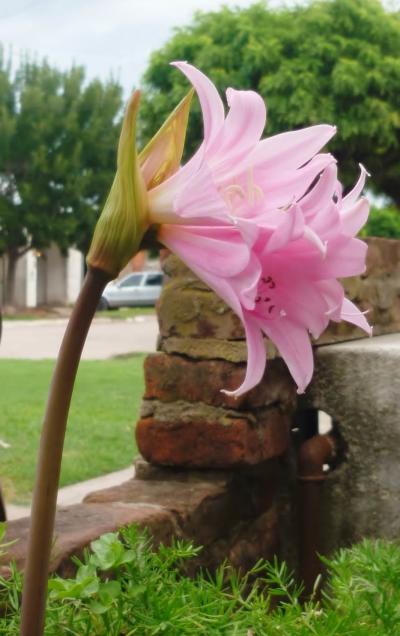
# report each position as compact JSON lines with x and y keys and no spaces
{"x":36,"y":339}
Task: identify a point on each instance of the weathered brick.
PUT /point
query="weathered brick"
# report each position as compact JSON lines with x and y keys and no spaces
{"x":190,"y":310}
{"x":77,"y":526}
{"x":172,"y":377}
{"x":206,"y":348}
{"x":183,"y":434}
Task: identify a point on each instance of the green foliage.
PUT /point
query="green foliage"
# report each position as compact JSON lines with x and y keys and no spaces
{"x":383,"y":222}
{"x":333,"y":61}
{"x":58,"y":137}
{"x":123,"y":587}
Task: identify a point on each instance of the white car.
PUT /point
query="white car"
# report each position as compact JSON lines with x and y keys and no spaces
{"x":140,"y":288}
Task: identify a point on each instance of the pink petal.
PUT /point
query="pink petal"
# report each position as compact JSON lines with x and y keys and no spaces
{"x":353,"y":195}
{"x":217,"y":250}
{"x":162,"y":198}
{"x":301,"y":299}
{"x":283,"y":188}
{"x":353,"y":218}
{"x":326,"y":222}
{"x":291,"y":150}
{"x":249,"y":230}
{"x":312,"y":237}
{"x":321,"y":194}
{"x":256,"y":358}
{"x":352,"y":314}
{"x":246,"y":283}
{"x":290,"y":229}
{"x":240,"y":133}
{"x":200,"y":198}
{"x":345,"y":257}
{"x":210,"y":101}
{"x":333,"y":293}
{"x":294,"y":346}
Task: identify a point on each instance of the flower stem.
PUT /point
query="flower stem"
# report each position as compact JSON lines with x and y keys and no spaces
{"x":50,"y":454}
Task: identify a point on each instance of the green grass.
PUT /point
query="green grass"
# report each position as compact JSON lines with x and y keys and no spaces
{"x":100,"y":435}
{"x":125,"y":312}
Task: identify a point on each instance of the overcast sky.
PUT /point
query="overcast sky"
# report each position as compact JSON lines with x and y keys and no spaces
{"x":103,"y":35}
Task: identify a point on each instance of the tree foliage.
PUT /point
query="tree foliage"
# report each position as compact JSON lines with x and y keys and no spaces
{"x":57,"y":155}
{"x":333,"y":61}
{"x":383,"y":222}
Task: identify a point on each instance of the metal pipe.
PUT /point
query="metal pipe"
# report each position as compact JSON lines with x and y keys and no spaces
{"x":3,"y":516}
{"x":312,"y":455}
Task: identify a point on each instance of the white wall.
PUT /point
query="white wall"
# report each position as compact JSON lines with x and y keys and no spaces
{"x":25,"y":281}
{"x":31,"y":279}
{"x":74,"y":274}
{"x":56,"y":267}
{"x":51,"y":279}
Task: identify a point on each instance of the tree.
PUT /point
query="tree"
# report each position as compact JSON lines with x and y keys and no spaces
{"x":58,"y":138}
{"x":333,"y":61}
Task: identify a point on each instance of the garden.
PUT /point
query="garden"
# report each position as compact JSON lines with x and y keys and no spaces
{"x":257,"y":403}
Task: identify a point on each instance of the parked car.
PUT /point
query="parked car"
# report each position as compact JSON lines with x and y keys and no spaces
{"x":140,"y":288}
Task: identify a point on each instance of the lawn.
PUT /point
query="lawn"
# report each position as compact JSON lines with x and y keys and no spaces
{"x":100,"y":430}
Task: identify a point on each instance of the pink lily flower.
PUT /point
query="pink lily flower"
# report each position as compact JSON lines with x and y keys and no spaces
{"x":261,"y":221}
{"x":243,"y":215}
{"x":234,"y":173}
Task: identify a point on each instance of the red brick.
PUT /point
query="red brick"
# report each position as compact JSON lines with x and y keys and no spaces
{"x":173,"y":377}
{"x":207,"y":443}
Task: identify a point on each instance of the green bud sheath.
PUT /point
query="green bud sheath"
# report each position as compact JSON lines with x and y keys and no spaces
{"x":124,"y":219}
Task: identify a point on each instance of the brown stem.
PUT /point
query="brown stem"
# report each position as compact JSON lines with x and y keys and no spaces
{"x":50,"y":453}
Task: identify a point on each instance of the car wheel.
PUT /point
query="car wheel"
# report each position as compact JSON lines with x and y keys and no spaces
{"x":103,"y":305}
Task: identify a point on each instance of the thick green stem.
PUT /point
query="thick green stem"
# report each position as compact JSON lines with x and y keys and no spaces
{"x":50,"y":453}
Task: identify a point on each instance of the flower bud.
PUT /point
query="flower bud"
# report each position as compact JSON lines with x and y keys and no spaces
{"x":124,"y":219}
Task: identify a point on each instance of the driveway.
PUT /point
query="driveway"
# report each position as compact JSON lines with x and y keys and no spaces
{"x":107,"y":337}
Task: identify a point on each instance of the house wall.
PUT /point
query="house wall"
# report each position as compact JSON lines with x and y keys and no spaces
{"x":48,"y":278}
{"x":25,"y":281}
{"x":74,"y":275}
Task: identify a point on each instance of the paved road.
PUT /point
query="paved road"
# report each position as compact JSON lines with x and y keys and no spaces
{"x":107,"y":337}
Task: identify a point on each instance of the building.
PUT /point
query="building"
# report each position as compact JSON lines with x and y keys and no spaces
{"x":45,"y":278}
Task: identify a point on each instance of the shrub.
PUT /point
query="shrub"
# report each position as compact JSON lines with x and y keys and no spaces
{"x":122,"y":587}
{"x":383,"y":222}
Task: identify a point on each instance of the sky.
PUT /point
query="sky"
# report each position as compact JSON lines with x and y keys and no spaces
{"x":103,"y":35}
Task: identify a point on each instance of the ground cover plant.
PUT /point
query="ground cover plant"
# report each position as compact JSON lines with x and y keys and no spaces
{"x":100,"y":436}
{"x":122,"y":587}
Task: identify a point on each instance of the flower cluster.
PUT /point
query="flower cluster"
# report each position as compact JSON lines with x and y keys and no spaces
{"x":263,"y":223}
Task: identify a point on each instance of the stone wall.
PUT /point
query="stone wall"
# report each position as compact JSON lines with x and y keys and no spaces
{"x":222,"y":471}
{"x":186,"y":420}
{"x":232,"y":514}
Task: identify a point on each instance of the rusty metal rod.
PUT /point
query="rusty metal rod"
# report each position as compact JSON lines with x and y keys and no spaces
{"x":313,"y":454}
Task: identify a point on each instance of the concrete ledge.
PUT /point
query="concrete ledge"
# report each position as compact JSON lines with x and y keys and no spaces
{"x":231,"y":514}
{"x":77,"y":526}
